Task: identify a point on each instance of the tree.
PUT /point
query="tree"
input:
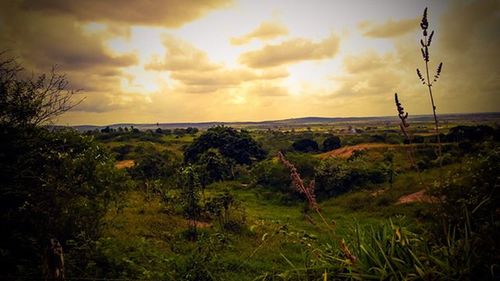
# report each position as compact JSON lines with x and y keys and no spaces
{"x":238,"y":146}
{"x":32,"y":100}
{"x":212,"y":167}
{"x":153,"y":164}
{"x":331,"y":143}
{"x":55,"y":183}
{"x":305,"y":145}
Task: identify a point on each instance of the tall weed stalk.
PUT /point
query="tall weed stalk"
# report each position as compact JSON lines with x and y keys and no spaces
{"x":425,"y":43}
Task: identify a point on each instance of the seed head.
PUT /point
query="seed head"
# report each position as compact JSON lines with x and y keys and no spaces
{"x":419,"y":74}
{"x":424,"y":24}
{"x":402,"y":115}
{"x":430,"y":38}
{"x":298,"y":183}
{"x":440,"y":67}
{"x":438,"y":72}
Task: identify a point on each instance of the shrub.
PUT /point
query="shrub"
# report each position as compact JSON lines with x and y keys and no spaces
{"x":334,"y":177}
{"x":55,"y":184}
{"x":212,"y":166}
{"x":122,"y":151}
{"x":152,"y":164}
{"x":227,"y":210}
{"x":271,"y":174}
{"x":305,"y":145}
{"x":331,"y":143}
{"x":237,"y":146}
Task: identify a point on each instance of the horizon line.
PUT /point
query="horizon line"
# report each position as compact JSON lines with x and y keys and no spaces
{"x":275,"y":120}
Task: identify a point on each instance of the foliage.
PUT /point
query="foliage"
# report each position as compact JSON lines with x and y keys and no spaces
{"x":275,"y":176}
{"x":305,"y":145}
{"x":392,"y":252}
{"x":470,"y":133}
{"x":331,"y":143}
{"x":122,"y":151}
{"x":227,"y":210}
{"x":212,"y":166}
{"x":190,"y":197}
{"x":334,"y":177}
{"x":271,"y":174}
{"x":237,"y":146}
{"x":152,"y":164}
{"x":470,"y":199}
{"x":30,"y":101}
{"x":54,"y":184}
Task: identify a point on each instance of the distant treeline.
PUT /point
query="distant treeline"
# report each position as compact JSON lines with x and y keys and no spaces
{"x":127,"y":133}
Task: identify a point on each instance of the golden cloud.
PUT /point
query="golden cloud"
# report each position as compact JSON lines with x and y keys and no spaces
{"x":391,"y":28}
{"x":368,"y":61}
{"x":192,"y":67}
{"x":181,"y":56}
{"x":169,"y":13}
{"x":291,"y":51}
{"x":267,"y":89}
{"x":265,"y":31}
{"x":370,"y":74}
{"x":41,"y":42}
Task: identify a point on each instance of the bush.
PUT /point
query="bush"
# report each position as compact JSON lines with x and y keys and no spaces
{"x":238,"y":146}
{"x":334,"y":177}
{"x":152,"y":164}
{"x":122,"y":151}
{"x":331,"y":143}
{"x":227,"y":211}
{"x":305,"y":145}
{"x":212,"y":166}
{"x":271,"y":174}
{"x":55,"y":184}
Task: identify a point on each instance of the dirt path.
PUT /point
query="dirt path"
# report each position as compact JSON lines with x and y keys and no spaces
{"x":347,"y":151}
{"x":418,"y":196}
{"x":125,"y":164}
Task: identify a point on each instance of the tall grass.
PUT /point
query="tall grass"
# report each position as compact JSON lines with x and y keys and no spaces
{"x":425,"y":43}
{"x":308,"y":192}
{"x":404,"y":125}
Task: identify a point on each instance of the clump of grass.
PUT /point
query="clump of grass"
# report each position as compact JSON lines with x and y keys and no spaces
{"x":425,"y":43}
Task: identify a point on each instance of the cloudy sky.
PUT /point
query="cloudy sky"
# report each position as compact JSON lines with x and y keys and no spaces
{"x":221,"y":60}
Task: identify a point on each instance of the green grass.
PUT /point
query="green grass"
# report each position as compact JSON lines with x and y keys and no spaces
{"x":147,"y":242}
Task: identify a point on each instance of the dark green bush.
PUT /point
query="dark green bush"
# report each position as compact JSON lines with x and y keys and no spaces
{"x":334,"y":176}
{"x":331,"y":143}
{"x":55,"y":184}
{"x":305,"y":145}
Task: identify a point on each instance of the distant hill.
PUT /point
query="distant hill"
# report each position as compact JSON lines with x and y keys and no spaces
{"x":296,"y":122}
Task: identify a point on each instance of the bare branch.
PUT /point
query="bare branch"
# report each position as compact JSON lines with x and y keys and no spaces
{"x":35,"y":100}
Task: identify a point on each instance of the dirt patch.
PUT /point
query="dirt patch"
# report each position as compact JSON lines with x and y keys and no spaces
{"x":418,"y":196}
{"x":125,"y":164}
{"x":347,"y":151}
{"x":200,"y":224}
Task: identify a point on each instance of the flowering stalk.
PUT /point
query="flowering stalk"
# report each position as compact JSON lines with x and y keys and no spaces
{"x":298,"y":183}
{"x":425,"y":43}
{"x":403,"y":116}
{"x":308,"y":192}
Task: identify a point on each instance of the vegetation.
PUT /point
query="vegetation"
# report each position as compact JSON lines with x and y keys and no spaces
{"x":57,"y":185}
{"x":244,"y":204}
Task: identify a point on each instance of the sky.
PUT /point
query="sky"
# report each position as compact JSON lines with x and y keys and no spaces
{"x":222,"y":60}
